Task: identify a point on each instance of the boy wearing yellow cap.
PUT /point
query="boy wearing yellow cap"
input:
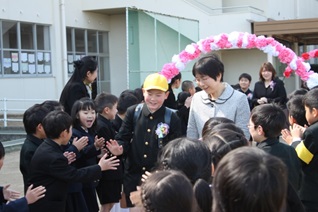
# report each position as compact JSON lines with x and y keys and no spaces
{"x":141,"y":136}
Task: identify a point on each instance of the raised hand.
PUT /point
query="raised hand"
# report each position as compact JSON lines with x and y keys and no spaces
{"x":9,"y":194}
{"x":33,"y":195}
{"x":287,"y":136}
{"x":71,"y":156}
{"x":108,"y":164}
{"x":114,"y":147}
{"x":80,"y":143}
{"x":99,"y":142}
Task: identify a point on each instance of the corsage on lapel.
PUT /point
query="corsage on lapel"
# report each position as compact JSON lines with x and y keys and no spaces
{"x":272,"y":85}
{"x":162,"y":131}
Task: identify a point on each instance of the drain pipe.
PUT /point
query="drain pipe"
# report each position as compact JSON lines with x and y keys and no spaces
{"x":63,"y":42}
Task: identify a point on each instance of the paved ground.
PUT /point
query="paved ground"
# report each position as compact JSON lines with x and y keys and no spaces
{"x":10,"y":173}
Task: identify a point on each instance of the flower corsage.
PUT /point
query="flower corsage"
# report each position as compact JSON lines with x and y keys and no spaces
{"x":272,"y":85}
{"x":162,"y":131}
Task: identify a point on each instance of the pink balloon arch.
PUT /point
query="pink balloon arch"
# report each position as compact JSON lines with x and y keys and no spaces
{"x":244,"y":40}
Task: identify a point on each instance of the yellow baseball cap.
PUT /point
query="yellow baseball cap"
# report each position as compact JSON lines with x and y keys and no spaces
{"x":156,"y":81}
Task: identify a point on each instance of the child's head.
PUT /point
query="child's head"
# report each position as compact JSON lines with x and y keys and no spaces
{"x":212,"y":122}
{"x":245,"y":80}
{"x":52,"y":105}
{"x":125,"y":100}
{"x":106,"y":105}
{"x":311,"y":105}
{"x":32,"y":120}
{"x":179,"y":154}
{"x":84,"y":114}
{"x":209,"y":65}
{"x":182,"y":96}
{"x":266,"y":121}
{"x":300,"y":91}
{"x":221,"y":142}
{"x":154,"y":91}
{"x":138,"y":93}
{"x":167,"y":191}
{"x":188,"y":86}
{"x":296,"y":110}
{"x":2,"y":154}
{"x":57,"y":122}
{"x":249,"y":179}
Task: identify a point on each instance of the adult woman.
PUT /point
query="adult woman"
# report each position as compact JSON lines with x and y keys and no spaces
{"x":218,"y":99}
{"x":80,"y":83}
{"x":269,"y":88}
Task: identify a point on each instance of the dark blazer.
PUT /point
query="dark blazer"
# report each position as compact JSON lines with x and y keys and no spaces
{"x":288,"y":155}
{"x":50,"y":169}
{"x":105,"y":130}
{"x":141,"y":144}
{"x":308,"y":191}
{"x":28,"y":149}
{"x":75,"y":92}
{"x":277,"y":94}
{"x":19,"y":205}
{"x":171,"y":102}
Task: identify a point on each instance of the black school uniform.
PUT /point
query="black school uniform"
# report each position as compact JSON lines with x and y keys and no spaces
{"x":88,"y":158}
{"x":28,"y":149}
{"x":50,"y":168}
{"x":141,"y":144}
{"x":309,"y":188}
{"x":109,"y":186}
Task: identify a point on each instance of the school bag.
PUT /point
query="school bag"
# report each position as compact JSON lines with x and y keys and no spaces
{"x":167,"y":117}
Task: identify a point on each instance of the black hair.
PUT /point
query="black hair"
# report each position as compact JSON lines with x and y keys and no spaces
{"x":310,"y":99}
{"x":34,"y":116}
{"x":125,"y":100}
{"x":229,"y":126}
{"x":103,"y":100}
{"x":246,"y":76}
{"x":2,"y":151}
{"x":178,"y":154}
{"x":175,"y":78}
{"x":138,"y":93}
{"x":296,"y":109}
{"x":167,"y":191}
{"x":81,"y":67}
{"x":301,"y":91}
{"x":55,"y":123}
{"x":222,"y":141}
{"x":249,"y":179}
{"x":209,"y":65}
{"x":186,"y":85}
{"x":212,"y":122}
{"x":52,"y":105}
{"x":182,"y":96}
{"x":271,"y":117}
{"x":82,"y":104}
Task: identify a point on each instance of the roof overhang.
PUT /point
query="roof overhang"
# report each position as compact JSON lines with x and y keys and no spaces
{"x":302,"y":31}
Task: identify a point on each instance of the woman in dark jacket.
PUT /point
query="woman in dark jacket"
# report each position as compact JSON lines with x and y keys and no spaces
{"x":269,"y":89}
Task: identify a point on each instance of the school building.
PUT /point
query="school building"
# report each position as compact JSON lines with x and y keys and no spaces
{"x":40,"y":39}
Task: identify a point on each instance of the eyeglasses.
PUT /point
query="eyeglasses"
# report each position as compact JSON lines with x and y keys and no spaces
{"x":201,"y":79}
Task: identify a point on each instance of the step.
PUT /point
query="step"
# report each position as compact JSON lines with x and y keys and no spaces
{"x":13,"y":145}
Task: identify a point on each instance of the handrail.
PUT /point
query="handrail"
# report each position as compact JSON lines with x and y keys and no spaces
{"x":4,"y":110}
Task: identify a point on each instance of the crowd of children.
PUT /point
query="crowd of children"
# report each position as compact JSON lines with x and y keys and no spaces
{"x":134,"y":150}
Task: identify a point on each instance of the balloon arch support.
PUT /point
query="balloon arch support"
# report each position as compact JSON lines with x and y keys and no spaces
{"x":244,"y":40}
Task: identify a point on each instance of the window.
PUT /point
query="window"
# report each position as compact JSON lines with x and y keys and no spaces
{"x":82,"y":42}
{"x":24,"y":49}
